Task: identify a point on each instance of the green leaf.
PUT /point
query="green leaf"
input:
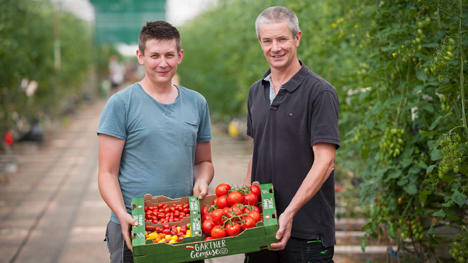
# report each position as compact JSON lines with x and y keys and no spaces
{"x":420,"y":75}
{"x":422,"y":164}
{"x":430,"y":169}
{"x":394,"y":174}
{"x":406,"y":162}
{"x":452,"y":217}
{"x":439,"y":213}
{"x":434,"y":124}
{"x":414,"y":169}
{"x":427,"y":134}
{"x":431,"y":230}
{"x":431,"y":45}
{"x":432,"y":240}
{"x":464,"y":169}
{"x":391,"y":230}
{"x":446,"y":87}
{"x":455,"y":186}
{"x":364,"y":227}
{"x":363,"y":245}
{"x":411,"y":188}
{"x":436,"y":155}
{"x":459,"y":198}
{"x":423,"y":195}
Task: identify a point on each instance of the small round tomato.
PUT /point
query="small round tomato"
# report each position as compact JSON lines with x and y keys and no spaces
{"x":235,"y":198}
{"x":221,"y":202}
{"x":256,"y":190}
{"x":217,"y":232}
{"x":208,"y":239}
{"x":217,"y":216}
{"x":233,"y":230}
{"x":203,"y":210}
{"x":248,"y":223}
{"x":255,"y":215}
{"x":222,"y":189}
{"x":250,"y":199}
{"x":207,"y":226}
{"x":215,"y":200}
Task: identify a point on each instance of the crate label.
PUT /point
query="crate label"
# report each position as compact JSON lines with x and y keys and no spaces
{"x":194,"y":203}
{"x":208,"y":249}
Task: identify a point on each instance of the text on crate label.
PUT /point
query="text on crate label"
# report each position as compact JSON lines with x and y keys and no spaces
{"x":207,"y":249}
{"x":268,"y":204}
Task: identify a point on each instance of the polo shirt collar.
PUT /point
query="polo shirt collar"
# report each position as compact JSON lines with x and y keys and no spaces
{"x":294,"y":82}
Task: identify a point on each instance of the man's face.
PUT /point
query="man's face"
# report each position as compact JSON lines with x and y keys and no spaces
{"x":160,"y":60}
{"x":278,"y":44}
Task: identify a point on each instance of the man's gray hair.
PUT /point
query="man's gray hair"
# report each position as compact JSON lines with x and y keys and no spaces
{"x":278,"y":14}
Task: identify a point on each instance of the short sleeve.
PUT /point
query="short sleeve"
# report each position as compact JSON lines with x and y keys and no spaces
{"x":204,"y":129}
{"x":113,"y":118}
{"x":249,"y":119}
{"x":324,"y":121}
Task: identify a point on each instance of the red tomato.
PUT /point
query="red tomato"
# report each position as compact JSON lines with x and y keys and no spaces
{"x":255,"y":215}
{"x":248,"y":223}
{"x":217,"y":216}
{"x":206,"y":216}
{"x":215,"y":200}
{"x":203,"y":210}
{"x":167,"y":231}
{"x":207,"y":226}
{"x":256,"y":190}
{"x":208,"y":239}
{"x":221,"y":202}
{"x":222,"y":189}
{"x":250,"y":199}
{"x":180,"y":239}
{"x":166,"y":226}
{"x":233,"y":230}
{"x":217,"y":232}
{"x":235,"y":198}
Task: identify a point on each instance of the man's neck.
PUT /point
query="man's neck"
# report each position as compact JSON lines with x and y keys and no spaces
{"x":281,"y":76}
{"x":164,"y":92}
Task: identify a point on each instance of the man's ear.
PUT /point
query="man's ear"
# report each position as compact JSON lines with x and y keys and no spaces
{"x":180,"y":57}
{"x":298,"y":38}
{"x":140,"y":57}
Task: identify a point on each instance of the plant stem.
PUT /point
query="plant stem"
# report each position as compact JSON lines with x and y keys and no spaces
{"x":462,"y":60}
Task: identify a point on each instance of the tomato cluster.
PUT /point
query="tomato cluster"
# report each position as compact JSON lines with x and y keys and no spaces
{"x":232,"y":211}
{"x":168,"y":234}
{"x":391,"y":144}
{"x":163,"y":213}
{"x":459,"y":251}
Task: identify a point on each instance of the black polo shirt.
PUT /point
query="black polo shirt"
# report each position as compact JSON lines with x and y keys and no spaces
{"x":302,"y":114}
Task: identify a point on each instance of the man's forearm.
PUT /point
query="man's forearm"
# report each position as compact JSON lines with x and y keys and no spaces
{"x":318,"y":174}
{"x":203,"y":172}
{"x":109,"y":188}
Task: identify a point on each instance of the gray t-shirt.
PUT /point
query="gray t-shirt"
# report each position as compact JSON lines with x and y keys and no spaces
{"x":160,"y":140}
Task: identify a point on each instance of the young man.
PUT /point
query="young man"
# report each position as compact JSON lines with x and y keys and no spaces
{"x":293,"y":119}
{"x":154,"y":137}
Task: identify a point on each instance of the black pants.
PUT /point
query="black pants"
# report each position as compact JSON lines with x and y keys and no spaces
{"x":296,"y":250}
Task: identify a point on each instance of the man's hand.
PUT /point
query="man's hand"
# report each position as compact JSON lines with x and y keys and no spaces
{"x":125,"y":221}
{"x":201,"y":189}
{"x":284,"y":232}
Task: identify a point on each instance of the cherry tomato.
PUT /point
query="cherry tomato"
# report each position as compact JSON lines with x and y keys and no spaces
{"x":250,"y":199}
{"x":217,"y":216}
{"x":235,"y":198}
{"x":222,"y":189}
{"x":207,"y":226}
{"x":217,"y":232}
{"x":208,"y":239}
{"x":221,"y":202}
{"x":248,"y":223}
{"x":257,"y":191}
{"x":233,"y":230}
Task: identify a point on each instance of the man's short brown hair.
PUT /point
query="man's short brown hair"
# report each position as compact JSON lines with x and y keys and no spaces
{"x":158,"y":30}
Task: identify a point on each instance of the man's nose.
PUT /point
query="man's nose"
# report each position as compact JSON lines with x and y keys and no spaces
{"x":163,"y":62}
{"x":276,"y":47}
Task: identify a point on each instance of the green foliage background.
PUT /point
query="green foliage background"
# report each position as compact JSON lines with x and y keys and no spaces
{"x":27,"y":52}
{"x":399,"y":68}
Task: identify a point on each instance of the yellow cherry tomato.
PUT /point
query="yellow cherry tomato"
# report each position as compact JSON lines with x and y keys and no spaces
{"x":161,"y":241}
{"x":153,"y":235}
{"x":188,"y":233}
{"x":172,"y":242}
{"x":167,"y":237}
{"x":174,"y":237}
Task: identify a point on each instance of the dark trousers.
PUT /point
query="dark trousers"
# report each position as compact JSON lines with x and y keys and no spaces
{"x":296,"y":250}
